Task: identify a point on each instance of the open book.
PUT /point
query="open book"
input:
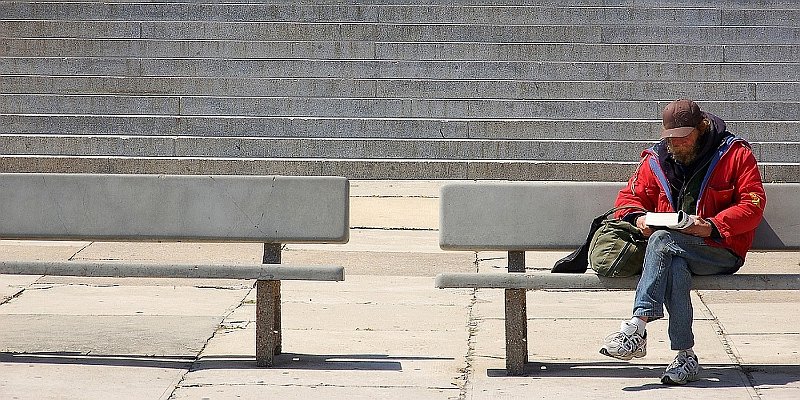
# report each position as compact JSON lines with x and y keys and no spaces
{"x":678,"y":220}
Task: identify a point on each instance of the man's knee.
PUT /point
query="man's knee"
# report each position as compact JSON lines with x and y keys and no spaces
{"x":659,"y":240}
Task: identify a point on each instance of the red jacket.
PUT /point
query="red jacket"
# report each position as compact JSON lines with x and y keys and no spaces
{"x":731,"y":195}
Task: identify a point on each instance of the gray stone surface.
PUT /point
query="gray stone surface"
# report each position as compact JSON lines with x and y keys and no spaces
{"x":353,"y":169}
{"x":349,"y":149}
{"x":381,"y":108}
{"x":105,"y":334}
{"x":248,"y":253}
{"x":592,"y":171}
{"x":403,"y":88}
{"x":13,"y":285}
{"x":368,"y":50}
{"x":466,"y":70}
{"x":53,"y":377}
{"x":131,"y":300}
{"x":151,"y":208}
{"x":588,"y":281}
{"x":521,"y":216}
{"x":269,"y":126}
{"x":451,"y":13}
{"x":546,"y":305}
{"x":162,"y":269}
{"x":504,"y":216}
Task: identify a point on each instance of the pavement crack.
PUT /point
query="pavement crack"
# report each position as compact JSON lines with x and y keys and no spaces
{"x":193,"y":367}
{"x":7,"y":299}
{"x":730,"y":350}
{"x":465,"y":379}
{"x":72,"y":257}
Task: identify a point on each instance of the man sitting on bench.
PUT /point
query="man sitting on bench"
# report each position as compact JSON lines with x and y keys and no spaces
{"x":699,"y":168}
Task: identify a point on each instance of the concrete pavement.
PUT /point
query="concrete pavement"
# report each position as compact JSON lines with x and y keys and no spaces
{"x":385,"y":332}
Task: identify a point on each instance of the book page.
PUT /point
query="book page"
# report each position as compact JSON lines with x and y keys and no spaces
{"x":678,"y":220}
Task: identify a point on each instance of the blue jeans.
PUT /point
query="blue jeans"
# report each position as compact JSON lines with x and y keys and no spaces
{"x":669,"y":263}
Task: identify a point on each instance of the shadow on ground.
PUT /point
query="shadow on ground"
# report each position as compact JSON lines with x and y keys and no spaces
{"x":339,"y":362}
{"x":712,"y":375}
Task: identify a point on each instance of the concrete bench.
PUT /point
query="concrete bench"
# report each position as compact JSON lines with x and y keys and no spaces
{"x":135,"y":208}
{"x":520,"y":216}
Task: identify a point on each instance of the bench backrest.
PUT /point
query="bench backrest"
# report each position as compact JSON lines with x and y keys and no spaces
{"x":517,"y":216}
{"x":268,"y":209}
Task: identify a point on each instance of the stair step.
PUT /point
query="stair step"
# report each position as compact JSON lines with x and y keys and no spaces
{"x":409,"y":14}
{"x":402,"y":88}
{"x":349,"y":148}
{"x":644,"y":129}
{"x":355,"y":50}
{"x":366,"y":108}
{"x":377,"y":32}
{"x":451,"y":70}
{"x":718,"y":4}
{"x":356,"y":169}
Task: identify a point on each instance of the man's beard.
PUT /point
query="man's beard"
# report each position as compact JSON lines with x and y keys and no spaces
{"x":685,"y":155}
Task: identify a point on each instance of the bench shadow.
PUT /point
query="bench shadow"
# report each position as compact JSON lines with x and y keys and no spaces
{"x":339,"y":362}
{"x":77,"y":358}
{"x":323,"y":362}
{"x":712,"y":375}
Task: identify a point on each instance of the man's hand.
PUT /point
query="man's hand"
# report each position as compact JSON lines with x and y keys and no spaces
{"x":699,"y":227}
{"x":646,"y":229}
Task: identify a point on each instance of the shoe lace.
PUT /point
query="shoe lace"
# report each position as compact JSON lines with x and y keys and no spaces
{"x":682,"y":364}
{"x":628,"y":343}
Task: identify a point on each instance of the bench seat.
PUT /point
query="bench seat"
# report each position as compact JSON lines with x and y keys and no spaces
{"x":122,"y":269}
{"x":591,"y":281}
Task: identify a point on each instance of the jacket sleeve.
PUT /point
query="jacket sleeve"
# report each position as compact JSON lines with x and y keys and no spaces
{"x":635,"y":192}
{"x":747,"y":197}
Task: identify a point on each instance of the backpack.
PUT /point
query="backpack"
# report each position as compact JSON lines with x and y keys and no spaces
{"x":606,"y":248}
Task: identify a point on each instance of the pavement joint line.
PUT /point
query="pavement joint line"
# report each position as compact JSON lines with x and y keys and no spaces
{"x":72,"y":257}
{"x":469,"y":370}
{"x":12,"y":297}
{"x":32,"y":286}
{"x":394,"y":196}
{"x":751,"y":383}
{"x":472,"y":328}
{"x":220,"y":327}
{"x":377,"y":228}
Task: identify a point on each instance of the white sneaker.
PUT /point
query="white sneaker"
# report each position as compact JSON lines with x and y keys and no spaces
{"x":625,"y":344}
{"x":683,"y":369}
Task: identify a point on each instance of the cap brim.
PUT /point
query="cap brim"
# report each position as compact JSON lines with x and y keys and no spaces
{"x":677,"y":132}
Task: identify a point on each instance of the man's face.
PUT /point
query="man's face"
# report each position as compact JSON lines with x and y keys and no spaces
{"x":684,"y":150}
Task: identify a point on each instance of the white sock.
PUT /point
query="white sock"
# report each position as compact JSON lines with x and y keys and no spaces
{"x":640,"y":324}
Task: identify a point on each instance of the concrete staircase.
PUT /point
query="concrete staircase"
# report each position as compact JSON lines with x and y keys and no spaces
{"x":385,"y":89}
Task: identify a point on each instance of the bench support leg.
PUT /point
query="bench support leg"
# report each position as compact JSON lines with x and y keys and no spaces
{"x":268,"y":322}
{"x":516,"y":319}
{"x":268,"y":311}
{"x":516,"y":331}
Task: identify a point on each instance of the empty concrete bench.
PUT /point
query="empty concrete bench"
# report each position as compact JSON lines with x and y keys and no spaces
{"x":520,"y":216}
{"x":134,"y":208}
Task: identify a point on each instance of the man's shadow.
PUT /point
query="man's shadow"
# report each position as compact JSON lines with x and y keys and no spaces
{"x":711,"y":375}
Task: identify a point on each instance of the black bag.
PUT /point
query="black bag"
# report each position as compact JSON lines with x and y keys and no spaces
{"x":577,"y":262}
{"x":617,"y":247}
